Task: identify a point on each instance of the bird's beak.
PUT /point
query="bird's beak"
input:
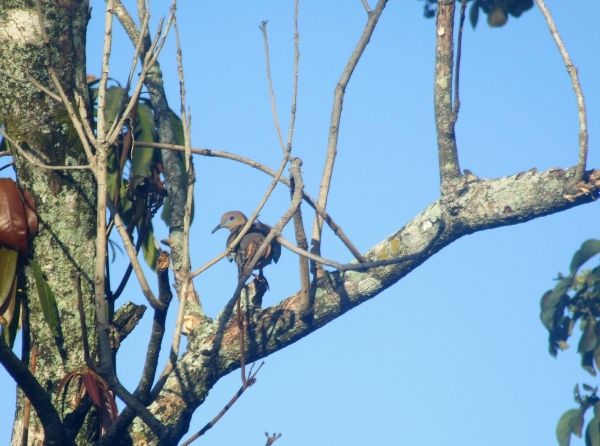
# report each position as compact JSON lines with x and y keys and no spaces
{"x":219,"y":226}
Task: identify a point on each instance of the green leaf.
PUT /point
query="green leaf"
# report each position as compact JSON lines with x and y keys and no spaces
{"x":570,"y":423}
{"x":474,"y":14}
{"x":10,"y":333}
{"x":114,"y":96}
{"x":148,"y":248}
{"x":589,"y":337}
{"x":8,"y":269}
{"x":588,"y":249}
{"x":592,"y":432}
{"x":551,"y":300}
{"x":47,"y":300}
{"x":145,"y":131}
{"x":587,"y":363}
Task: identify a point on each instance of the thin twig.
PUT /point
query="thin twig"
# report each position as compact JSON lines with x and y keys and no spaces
{"x":84,"y":335}
{"x":134,"y":63}
{"x":27,"y":408}
{"x":245,"y":273}
{"x":149,"y":60}
{"x":296,"y":63}
{"x":35,"y":162}
{"x":336,"y":114}
{"x":297,"y":183}
{"x":230,"y":156}
{"x":242,"y":342}
{"x":272,"y":438}
{"x":360,"y":266}
{"x":463,"y":7}
{"x":154,"y":303}
{"x":31,"y":80}
{"x":185,"y":270}
{"x":61,"y":92}
{"x":572,"y":70}
{"x":249,"y":382}
{"x":7,"y":165}
{"x":249,"y":223}
{"x":84,"y":118}
{"x":367,"y":7}
{"x":263,"y":28}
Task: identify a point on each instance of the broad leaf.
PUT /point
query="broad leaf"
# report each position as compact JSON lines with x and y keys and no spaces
{"x":91,"y":385}
{"x":47,"y":300}
{"x":588,"y":249}
{"x":13,"y":222}
{"x":550,"y":302}
{"x":8,"y":269}
{"x":13,"y":316}
{"x":30,"y":214}
{"x":589,"y":337}
{"x":570,"y":423}
{"x":592,"y":432}
{"x":474,"y":14}
{"x":149,"y":249}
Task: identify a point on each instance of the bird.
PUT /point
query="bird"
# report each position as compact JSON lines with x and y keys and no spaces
{"x":244,"y":251}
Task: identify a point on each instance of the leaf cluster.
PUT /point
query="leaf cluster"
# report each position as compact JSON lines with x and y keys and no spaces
{"x":497,"y":11}
{"x":577,"y":298}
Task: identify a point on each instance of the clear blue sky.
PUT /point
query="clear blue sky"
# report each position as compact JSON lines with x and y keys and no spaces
{"x":453,"y":354}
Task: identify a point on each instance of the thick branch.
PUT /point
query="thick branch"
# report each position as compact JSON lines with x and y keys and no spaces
{"x":483,"y":204}
{"x":41,"y":402}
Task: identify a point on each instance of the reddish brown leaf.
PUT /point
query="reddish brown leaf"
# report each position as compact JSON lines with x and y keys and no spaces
{"x":30,"y":213}
{"x":63,"y":383}
{"x":13,"y":223}
{"x":91,"y":385}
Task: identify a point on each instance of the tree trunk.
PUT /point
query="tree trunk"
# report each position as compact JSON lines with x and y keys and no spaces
{"x":65,"y":200}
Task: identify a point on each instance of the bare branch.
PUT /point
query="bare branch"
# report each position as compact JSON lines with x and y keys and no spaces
{"x":336,"y":114}
{"x":296,"y":63}
{"x":41,"y":402}
{"x":101,"y":120}
{"x":572,"y":70}
{"x":312,"y":202}
{"x":32,"y":81}
{"x":61,"y":92}
{"x":272,"y":438}
{"x":367,"y":7}
{"x":297,"y":183}
{"x":249,"y":223}
{"x":442,"y":95}
{"x":35,"y":162}
{"x":263,"y":28}
{"x":463,"y":7}
{"x":184,"y":272}
{"x":231,"y":402}
{"x":154,"y":303}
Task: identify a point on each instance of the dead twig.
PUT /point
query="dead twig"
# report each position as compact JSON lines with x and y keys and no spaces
{"x":27,"y":408}
{"x":249,"y":382}
{"x":35,"y":162}
{"x":572,"y":70}
{"x":263,"y":28}
{"x":336,"y":114}
{"x":230,"y":156}
{"x":271,"y":438}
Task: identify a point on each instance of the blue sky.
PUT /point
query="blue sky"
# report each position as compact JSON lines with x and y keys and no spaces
{"x":455,"y":352}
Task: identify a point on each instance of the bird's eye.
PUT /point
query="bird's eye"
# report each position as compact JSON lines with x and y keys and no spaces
{"x":231,"y":217}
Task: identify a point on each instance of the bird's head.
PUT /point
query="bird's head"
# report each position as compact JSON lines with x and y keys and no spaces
{"x":231,"y":220}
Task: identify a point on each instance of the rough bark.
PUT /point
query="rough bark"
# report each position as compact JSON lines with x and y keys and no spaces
{"x":472,"y":205}
{"x":65,"y":200}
